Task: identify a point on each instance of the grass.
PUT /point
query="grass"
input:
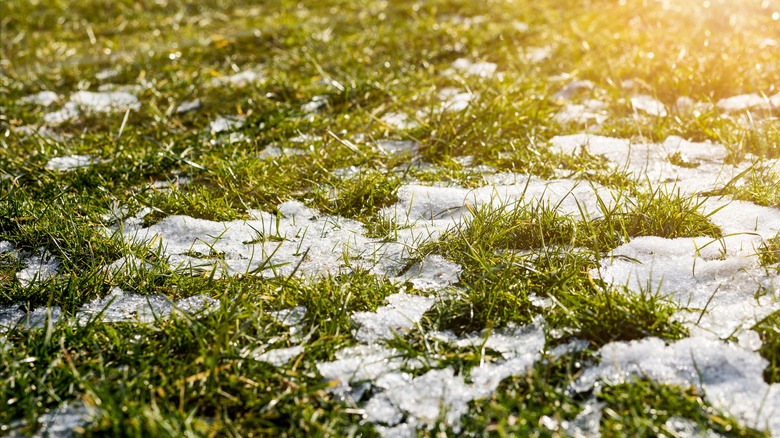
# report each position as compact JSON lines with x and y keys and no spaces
{"x":363,"y":61}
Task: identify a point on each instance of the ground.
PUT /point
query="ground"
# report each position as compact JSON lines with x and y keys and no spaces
{"x":357,"y":217}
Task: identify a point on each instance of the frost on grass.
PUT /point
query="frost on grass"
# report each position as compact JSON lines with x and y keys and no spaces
{"x":691,"y":167}
{"x":70,"y":162}
{"x":120,"y":306}
{"x":401,"y":313}
{"x":730,"y":377}
{"x":39,"y":267}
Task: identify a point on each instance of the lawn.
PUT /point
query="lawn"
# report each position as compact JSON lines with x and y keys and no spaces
{"x":394,"y":218}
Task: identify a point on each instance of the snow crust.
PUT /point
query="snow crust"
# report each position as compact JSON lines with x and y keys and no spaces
{"x":648,"y":105}
{"x":402,"y":403}
{"x":399,"y":121}
{"x":240,"y":79}
{"x":120,"y":306}
{"x":729,"y":376}
{"x":590,"y":111}
{"x":402,"y":312}
{"x":39,"y":267}
{"x":744,"y":102}
{"x":44,"y":98}
{"x":469,"y":68}
{"x":97,"y":102}
{"x":70,"y":162}
{"x":299,"y":241}
{"x":702,"y":166}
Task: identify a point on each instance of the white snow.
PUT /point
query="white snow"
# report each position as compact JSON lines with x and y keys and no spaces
{"x":573,"y":89}
{"x":120,"y":306}
{"x":590,"y":112}
{"x":730,"y":377}
{"x":188,"y":106}
{"x":39,"y":267}
{"x":225,"y":124}
{"x":70,"y":162}
{"x":393,"y":147}
{"x":469,"y":68}
{"x":97,"y":102}
{"x":240,"y":79}
{"x":300,"y":240}
{"x":315,"y":104}
{"x":704,"y":170}
{"x":278,"y":357}
{"x":44,"y":98}
{"x":648,"y":105}
{"x":454,"y":99}
{"x":399,"y":121}
{"x":113,"y":101}
{"x":439,"y":393}
{"x":432,"y":273}
{"x":744,"y":102}
{"x":401,"y":313}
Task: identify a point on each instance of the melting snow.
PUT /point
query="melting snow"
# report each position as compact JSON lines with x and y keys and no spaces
{"x":44,"y":98}
{"x":648,"y":105}
{"x":399,"y":121}
{"x":39,"y":267}
{"x":749,"y":101}
{"x":188,"y":106}
{"x":398,"y":146}
{"x":481,"y":69}
{"x":573,"y":89}
{"x":589,"y":112}
{"x":432,"y":273}
{"x":70,"y":162}
{"x":277,"y":357}
{"x":120,"y":306}
{"x":403,"y":403}
{"x":730,"y":376}
{"x":699,"y":166}
{"x":105,"y":102}
{"x":401,"y":313}
{"x":453,"y":99}
{"x":225,"y":124}
{"x":300,"y":240}
{"x":99,"y":102}
{"x":240,"y":79}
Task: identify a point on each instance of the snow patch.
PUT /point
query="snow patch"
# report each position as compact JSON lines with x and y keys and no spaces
{"x":120,"y":306}
{"x":39,"y":267}
{"x":730,"y":377}
{"x":401,"y":313}
{"x":70,"y":162}
{"x":44,"y":98}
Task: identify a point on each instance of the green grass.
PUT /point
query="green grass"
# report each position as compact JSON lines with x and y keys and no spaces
{"x":364,"y":59}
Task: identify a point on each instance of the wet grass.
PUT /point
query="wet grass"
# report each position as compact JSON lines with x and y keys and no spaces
{"x":362,"y":61}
